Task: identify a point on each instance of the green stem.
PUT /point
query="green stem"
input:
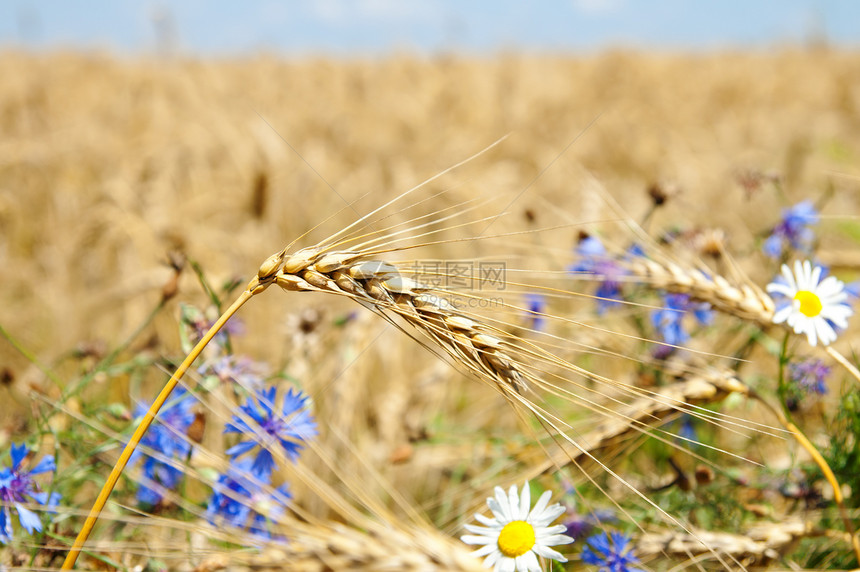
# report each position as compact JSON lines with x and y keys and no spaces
{"x":105,"y":363}
{"x":782,"y":388}
{"x":30,"y":356}
{"x":213,"y":297}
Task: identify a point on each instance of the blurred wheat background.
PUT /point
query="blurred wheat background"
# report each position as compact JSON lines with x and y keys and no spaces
{"x":112,"y":167}
{"x":110,"y":164}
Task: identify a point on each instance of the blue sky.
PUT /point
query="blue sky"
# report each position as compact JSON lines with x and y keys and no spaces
{"x":368,"y":27}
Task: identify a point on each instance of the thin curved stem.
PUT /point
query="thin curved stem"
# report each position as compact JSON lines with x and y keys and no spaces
{"x":69,"y":563}
{"x":825,"y":470}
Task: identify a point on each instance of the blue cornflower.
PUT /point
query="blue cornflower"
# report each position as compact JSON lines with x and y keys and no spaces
{"x":669,"y":319}
{"x":793,"y":230}
{"x":611,"y":556}
{"x":168,"y":437}
{"x":238,"y":497}
{"x":292,"y":426}
{"x":536,"y":307}
{"x":687,"y":430}
{"x":809,"y":375}
{"x":580,"y":525}
{"x":16,"y":484}
{"x":635,"y":251}
{"x":596,"y":262}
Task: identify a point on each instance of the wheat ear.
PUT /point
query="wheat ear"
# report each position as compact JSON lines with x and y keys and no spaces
{"x":379,"y":286}
{"x":336,"y":546}
{"x":647,"y":411}
{"x":746,"y":301}
{"x":762,"y":543}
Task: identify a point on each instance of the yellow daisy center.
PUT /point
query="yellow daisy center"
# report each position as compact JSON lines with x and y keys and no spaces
{"x":516,"y":538}
{"x":810,"y":303}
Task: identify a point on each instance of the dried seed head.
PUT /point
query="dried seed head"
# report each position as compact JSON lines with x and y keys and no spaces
{"x":297,"y":262}
{"x":271,"y":265}
{"x":460,"y":323}
{"x":371,"y":269}
{"x":6,"y":376}
{"x":704,"y":475}
{"x":432,"y":303}
{"x":658,"y":195}
{"x":318,"y":279}
{"x":196,"y":429}
{"x":711,"y":242}
{"x":400,"y":284}
{"x":292,"y":283}
{"x":345,"y":283}
{"x":309,"y":319}
{"x":171,"y":287}
{"x":335,"y":261}
{"x":176,"y":260}
{"x":486,"y":341}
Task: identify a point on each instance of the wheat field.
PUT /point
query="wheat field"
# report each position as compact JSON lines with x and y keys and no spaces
{"x":128,"y":187}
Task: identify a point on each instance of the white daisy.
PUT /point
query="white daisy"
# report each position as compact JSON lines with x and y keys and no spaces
{"x":514,"y":539}
{"x":814,"y":306}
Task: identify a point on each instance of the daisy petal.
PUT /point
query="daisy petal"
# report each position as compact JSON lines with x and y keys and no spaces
{"x":542,"y":502}
{"x":525,"y":502}
{"x":478,"y":540}
{"x":485,"y":550}
{"x":548,"y":552}
{"x":491,"y":522}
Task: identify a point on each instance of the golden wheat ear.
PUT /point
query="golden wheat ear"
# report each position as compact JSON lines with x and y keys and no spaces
{"x":265,"y":277}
